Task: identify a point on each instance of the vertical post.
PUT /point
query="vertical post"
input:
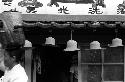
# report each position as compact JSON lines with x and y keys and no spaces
{"x":28,"y":59}
{"x":28,"y":62}
{"x":71,"y":34}
{"x":79,"y":67}
{"x":124,"y":63}
{"x":102,"y":74}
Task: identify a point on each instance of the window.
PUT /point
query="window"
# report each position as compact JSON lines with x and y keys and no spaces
{"x":102,"y":64}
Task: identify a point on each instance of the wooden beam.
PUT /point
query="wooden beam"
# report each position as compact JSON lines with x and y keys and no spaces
{"x":52,"y":17}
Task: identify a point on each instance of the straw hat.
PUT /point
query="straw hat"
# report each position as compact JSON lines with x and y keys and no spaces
{"x":28,"y":45}
{"x":116,"y":42}
{"x":50,"y":41}
{"x":95,"y":45}
{"x":71,"y":46}
{"x":12,"y":18}
{"x":10,"y":21}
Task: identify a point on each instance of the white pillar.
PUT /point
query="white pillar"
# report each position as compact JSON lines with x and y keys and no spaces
{"x":34,"y":72}
{"x":79,"y":66}
{"x":28,"y":59}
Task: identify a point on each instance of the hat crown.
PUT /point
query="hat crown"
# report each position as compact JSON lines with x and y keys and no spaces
{"x":117,"y":42}
{"x":71,"y":46}
{"x":95,"y":45}
{"x":50,"y":40}
{"x":27,"y":44}
{"x":71,"y":43}
{"x":14,"y":18}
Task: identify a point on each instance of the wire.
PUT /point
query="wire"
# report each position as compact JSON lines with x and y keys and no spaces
{"x":116,"y":32}
{"x":71,"y":34}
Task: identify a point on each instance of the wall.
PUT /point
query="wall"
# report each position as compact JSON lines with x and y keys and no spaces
{"x":54,"y":13}
{"x":73,"y":9}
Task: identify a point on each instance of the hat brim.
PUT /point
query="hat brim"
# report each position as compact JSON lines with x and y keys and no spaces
{"x":26,"y":48}
{"x":110,"y":45}
{"x":96,"y":49}
{"x":68,"y":49}
{"x":50,"y":45}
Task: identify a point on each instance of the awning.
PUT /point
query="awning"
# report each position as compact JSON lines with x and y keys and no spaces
{"x":72,"y":24}
{"x":51,"y":17}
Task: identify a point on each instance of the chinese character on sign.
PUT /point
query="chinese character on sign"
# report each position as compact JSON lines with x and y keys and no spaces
{"x":121,"y":8}
{"x":53,"y":2}
{"x":63,"y":10}
{"x":99,"y":3}
{"x":7,"y":2}
{"x":13,"y":10}
{"x":120,"y":11}
{"x":31,"y":5}
{"x":94,"y":10}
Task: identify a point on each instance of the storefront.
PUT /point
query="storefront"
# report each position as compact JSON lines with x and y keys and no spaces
{"x":83,"y":21}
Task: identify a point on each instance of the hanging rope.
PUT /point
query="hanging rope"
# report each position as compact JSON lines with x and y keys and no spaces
{"x":50,"y":32}
{"x":71,"y":34}
{"x":71,"y":28}
{"x":116,"y":32}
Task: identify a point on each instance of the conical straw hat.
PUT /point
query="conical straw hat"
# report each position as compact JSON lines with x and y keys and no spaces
{"x":12,"y":18}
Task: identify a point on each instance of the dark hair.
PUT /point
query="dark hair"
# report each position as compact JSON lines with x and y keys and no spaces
{"x":18,"y":53}
{"x":14,"y":49}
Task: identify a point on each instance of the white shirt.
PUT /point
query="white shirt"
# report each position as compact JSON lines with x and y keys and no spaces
{"x":16,"y":74}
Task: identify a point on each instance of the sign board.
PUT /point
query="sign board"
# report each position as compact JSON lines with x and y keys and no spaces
{"x":65,"y":7}
{"x":66,"y":10}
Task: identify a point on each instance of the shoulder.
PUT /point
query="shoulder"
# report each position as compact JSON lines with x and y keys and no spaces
{"x":19,"y":77}
{"x":18,"y":73}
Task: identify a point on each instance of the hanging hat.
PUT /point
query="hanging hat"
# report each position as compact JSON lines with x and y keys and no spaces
{"x":116,"y":42}
{"x":14,"y":18}
{"x":50,"y":41}
{"x":71,"y":46}
{"x":28,"y":45}
{"x":95,"y":45}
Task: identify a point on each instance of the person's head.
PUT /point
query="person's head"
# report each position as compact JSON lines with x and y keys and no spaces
{"x":12,"y":55}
